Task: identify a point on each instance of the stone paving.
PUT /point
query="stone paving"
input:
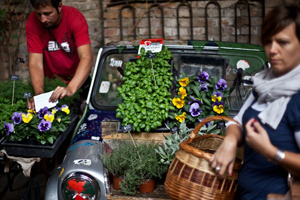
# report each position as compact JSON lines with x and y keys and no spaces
{"x":20,"y":182}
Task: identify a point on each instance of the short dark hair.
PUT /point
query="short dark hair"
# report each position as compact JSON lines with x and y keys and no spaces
{"x":43,"y":3}
{"x":278,"y":19}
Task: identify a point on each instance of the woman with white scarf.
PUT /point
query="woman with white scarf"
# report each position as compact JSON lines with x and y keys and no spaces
{"x":270,"y":116}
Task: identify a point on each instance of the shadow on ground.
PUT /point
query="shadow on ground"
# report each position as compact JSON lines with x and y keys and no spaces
{"x":15,"y":186}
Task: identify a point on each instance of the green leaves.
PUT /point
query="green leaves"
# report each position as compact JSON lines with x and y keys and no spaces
{"x":145,"y":91}
{"x":171,"y":144}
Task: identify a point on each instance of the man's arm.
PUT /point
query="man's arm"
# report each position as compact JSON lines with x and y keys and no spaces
{"x":82,"y":72}
{"x":36,"y":72}
{"x":36,"y":75}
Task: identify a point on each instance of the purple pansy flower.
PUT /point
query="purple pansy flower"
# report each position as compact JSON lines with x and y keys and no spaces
{"x":44,"y":125}
{"x":195,"y":110}
{"x":203,"y":87}
{"x":195,"y":101}
{"x":17,"y":117}
{"x":221,"y":85}
{"x":8,"y":128}
{"x":203,"y":77}
{"x":207,"y":124}
{"x":43,"y":112}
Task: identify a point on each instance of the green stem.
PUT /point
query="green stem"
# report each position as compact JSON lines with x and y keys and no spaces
{"x":13,"y":94}
{"x":135,"y":145}
{"x":153,"y":73}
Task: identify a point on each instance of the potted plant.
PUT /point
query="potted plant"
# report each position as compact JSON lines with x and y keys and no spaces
{"x":117,"y":161}
{"x":146,"y":91}
{"x":136,"y":164}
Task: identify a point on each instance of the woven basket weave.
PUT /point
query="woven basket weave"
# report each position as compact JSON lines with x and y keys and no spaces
{"x":190,"y":175}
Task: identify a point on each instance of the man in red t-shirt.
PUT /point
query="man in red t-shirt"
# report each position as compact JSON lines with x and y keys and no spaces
{"x":59,"y":46}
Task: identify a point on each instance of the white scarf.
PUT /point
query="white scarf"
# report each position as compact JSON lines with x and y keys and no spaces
{"x":276,"y":92}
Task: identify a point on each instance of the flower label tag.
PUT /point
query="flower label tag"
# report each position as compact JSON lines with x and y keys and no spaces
{"x":14,"y":77}
{"x":27,"y":95}
{"x":153,"y":45}
{"x":151,"y":55}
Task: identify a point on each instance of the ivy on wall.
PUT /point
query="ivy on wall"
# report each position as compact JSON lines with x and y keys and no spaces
{"x":13,"y":15}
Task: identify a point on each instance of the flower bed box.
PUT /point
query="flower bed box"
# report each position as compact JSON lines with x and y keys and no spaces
{"x":34,"y":149}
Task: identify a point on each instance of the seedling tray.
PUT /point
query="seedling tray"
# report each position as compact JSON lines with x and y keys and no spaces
{"x":32,"y":149}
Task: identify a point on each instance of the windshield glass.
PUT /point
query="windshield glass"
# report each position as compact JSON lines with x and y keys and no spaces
{"x":221,"y":64}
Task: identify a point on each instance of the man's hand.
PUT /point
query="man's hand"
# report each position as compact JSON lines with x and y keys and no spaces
{"x":30,"y":104}
{"x":61,"y":92}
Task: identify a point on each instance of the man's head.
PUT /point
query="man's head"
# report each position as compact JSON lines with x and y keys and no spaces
{"x":48,"y":12}
{"x":43,"y":3}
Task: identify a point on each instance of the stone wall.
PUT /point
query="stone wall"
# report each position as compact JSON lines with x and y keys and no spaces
{"x":92,"y":10}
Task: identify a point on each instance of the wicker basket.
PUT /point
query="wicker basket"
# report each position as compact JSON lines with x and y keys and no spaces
{"x":190,"y":175}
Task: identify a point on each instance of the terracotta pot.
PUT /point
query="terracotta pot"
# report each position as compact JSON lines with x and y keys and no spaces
{"x":116,"y":181}
{"x":147,"y":186}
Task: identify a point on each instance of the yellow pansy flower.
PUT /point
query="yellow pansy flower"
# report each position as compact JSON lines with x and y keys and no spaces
{"x":53,"y":111}
{"x":58,"y":119}
{"x":181,"y":117}
{"x":27,"y":117}
{"x":178,"y":103}
{"x":182,"y":92}
{"x":216,"y":96}
{"x":49,"y":117}
{"x":184,"y":81}
{"x":65,"y":109}
{"x":218,"y":107}
{"x":31,"y":111}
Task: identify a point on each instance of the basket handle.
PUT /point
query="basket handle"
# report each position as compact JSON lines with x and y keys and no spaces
{"x":184,"y":145}
{"x":194,"y":133}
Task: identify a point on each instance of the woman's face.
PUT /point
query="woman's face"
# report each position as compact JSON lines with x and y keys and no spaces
{"x":283,"y":50}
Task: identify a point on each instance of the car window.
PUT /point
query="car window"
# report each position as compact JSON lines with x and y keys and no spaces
{"x":221,"y":64}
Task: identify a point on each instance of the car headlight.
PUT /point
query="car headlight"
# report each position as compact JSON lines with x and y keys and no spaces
{"x":80,"y":186}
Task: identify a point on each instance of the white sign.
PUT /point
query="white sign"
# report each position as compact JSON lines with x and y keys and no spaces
{"x":42,"y":100}
{"x":153,"y":45}
{"x":104,"y":87}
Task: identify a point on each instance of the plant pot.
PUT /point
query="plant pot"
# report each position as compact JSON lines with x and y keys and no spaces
{"x":147,"y":186}
{"x":116,"y":181}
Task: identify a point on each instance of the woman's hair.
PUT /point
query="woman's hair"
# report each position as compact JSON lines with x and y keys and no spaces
{"x":43,"y":3}
{"x":278,"y":19}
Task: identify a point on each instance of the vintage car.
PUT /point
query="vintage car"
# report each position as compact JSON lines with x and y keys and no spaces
{"x":82,"y":174}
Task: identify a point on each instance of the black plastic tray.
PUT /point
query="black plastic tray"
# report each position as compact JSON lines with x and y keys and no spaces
{"x":20,"y":149}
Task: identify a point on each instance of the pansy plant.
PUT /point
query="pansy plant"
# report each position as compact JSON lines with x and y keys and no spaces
{"x":197,"y":97}
{"x":43,"y":126}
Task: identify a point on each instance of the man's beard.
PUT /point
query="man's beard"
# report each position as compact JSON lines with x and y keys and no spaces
{"x":48,"y":25}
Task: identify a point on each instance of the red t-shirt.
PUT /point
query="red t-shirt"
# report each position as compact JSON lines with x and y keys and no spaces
{"x":58,"y":45}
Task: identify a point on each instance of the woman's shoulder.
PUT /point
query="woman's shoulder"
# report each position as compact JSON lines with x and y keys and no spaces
{"x":295,"y":98}
{"x":293,"y":109}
